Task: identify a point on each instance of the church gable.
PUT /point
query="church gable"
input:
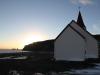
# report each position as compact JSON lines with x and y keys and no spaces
{"x":73,"y":25}
{"x":68,"y":28}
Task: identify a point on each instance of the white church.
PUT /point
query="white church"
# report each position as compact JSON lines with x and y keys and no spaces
{"x":75,"y":43}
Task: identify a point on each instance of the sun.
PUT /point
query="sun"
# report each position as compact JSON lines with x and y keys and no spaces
{"x":33,"y":37}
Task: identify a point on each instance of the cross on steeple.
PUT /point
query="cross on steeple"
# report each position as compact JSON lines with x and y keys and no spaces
{"x":80,"y":21}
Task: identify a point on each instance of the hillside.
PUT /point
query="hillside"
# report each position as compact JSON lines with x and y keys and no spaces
{"x":47,"y":45}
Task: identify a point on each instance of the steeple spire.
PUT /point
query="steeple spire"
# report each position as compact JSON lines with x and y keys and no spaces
{"x":80,"y":21}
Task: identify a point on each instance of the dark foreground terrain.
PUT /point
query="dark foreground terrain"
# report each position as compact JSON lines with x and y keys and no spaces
{"x":29,"y":67}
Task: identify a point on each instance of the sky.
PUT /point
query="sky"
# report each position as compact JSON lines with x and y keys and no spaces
{"x":26,"y":21}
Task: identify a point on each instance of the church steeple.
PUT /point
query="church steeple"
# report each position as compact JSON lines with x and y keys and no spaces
{"x":80,"y":21}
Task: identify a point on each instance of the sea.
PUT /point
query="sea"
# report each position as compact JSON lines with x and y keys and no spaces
{"x":87,"y":71}
{"x":10,"y":52}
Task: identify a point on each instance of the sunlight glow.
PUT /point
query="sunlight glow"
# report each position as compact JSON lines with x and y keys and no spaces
{"x":33,"y":37}
{"x":22,"y":40}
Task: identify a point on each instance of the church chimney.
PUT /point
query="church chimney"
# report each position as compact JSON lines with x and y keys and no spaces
{"x":80,"y":21}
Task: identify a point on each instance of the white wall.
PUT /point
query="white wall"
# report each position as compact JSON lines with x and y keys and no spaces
{"x":69,"y":46}
{"x":91,"y":43}
{"x":92,"y":48}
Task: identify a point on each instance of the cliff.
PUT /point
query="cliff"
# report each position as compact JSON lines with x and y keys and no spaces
{"x":47,"y":45}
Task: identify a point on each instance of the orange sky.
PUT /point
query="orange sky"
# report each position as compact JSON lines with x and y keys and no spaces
{"x":22,"y":40}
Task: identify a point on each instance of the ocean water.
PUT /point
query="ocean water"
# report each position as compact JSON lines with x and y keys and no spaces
{"x":10,"y":52}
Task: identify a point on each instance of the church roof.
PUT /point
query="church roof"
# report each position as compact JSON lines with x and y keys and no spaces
{"x":69,"y":25}
{"x":72,"y":28}
{"x":80,"y":21}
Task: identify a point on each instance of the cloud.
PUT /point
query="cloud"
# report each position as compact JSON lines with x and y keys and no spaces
{"x":95,"y":29}
{"x":83,"y":2}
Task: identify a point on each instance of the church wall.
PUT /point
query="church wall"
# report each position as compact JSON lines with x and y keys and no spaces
{"x":92,"y":48}
{"x":69,"y":46}
{"x":91,"y":44}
